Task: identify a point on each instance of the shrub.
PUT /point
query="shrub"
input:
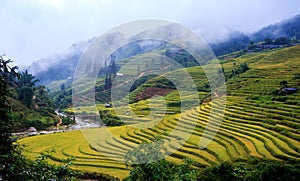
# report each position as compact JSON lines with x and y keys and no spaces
{"x":110,"y":120}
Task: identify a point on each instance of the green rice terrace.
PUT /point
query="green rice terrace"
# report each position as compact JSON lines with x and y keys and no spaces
{"x":261,"y":119}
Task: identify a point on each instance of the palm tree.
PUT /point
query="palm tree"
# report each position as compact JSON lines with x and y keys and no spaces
{"x":25,"y":87}
{"x":27,"y":79}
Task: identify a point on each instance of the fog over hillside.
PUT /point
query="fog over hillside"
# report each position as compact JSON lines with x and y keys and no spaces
{"x":63,"y":64}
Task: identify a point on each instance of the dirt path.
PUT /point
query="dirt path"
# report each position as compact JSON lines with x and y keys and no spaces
{"x":59,"y":122}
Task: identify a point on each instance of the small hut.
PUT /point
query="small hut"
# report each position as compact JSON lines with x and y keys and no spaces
{"x":32,"y":129}
{"x":289,"y":90}
{"x":107,"y":105}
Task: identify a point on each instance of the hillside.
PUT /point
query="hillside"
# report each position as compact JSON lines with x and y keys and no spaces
{"x":27,"y":117}
{"x":61,"y":66}
{"x":39,"y":115}
{"x":260,"y":121}
{"x":288,"y":29}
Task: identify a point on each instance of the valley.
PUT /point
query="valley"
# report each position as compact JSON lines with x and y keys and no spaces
{"x":259,"y":121}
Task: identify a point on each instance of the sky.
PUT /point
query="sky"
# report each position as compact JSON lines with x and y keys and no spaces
{"x":36,"y":29}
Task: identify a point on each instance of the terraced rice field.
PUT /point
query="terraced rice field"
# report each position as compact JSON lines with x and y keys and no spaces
{"x":249,"y":129}
{"x":254,"y":125}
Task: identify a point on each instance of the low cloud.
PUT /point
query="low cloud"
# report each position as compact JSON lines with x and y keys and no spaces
{"x":34,"y":29}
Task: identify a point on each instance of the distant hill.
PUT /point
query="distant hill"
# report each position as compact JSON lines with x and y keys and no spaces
{"x":62,"y":66}
{"x":288,"y":28}
{"x":59,"y":66}
{"x":236,"y":41}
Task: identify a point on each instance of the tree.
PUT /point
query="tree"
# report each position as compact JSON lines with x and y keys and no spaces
{"x":109,"y":119}
{"x":13,"y":165}
{"x":283,"y":84}
{"x":25,"y":87}
{"x":243,"y":67}
{"x":7,"y":147}
{"x":268,"y":41}
{"x":108,"y":82}
{"x":62,"y":87}
{"x":27,"y":79}
{"x":42,"y":100}
{"x":149,"y":164}
{"x":281,"y":41}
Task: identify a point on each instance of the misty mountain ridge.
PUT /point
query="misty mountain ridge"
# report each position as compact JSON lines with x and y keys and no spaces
{"x":288,"y":28}
{"x":63,"y":65}
{"x":236,"y":41}
{"x":59,"y":66}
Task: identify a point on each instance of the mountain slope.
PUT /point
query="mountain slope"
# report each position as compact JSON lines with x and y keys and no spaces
{"x":288,"y":28}
{"x":59,"y":66}
{"x":236,"y":41}
{"x":258,"y":122}
{"x":62,"y":66}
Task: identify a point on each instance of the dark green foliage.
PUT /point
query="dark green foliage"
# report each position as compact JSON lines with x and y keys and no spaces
{"x":39,"y":169}
{"x":283,"y":84}
{"x":13,"y":165}
{"x":39,"y":108}
{"x":241,"y":68}
{"x":281,"y":41}
{"x":110,"y":72}
{"x":268,"y":41}
{"x":235,"y":42}
{"x":238,"y":170}
{"x":103,"y":96}
{"x":25,"y":95}
{"x":141,"y":81}
{"x":39,"y":125}
{"x":7,"y":147}
{"x":62,"y":87}
{"x":150,"y":169}
{"x":67,"y":121}
{"x":244,"y":67}
{"x":297,"y":76}
{"x":110,"y":120}
{"x":174,"y":103}
{"x":253,"y":169}
{"x":163,"y":170}
{"x":278,"y":171}
{"x":25,"y":87}
{"x":278,"y":41}
{"x":108,"y":82}
{"x":146,"y":153}
{"x":27,"y":79}
{"x":42,"y":100}
{"x":62,"y":99}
